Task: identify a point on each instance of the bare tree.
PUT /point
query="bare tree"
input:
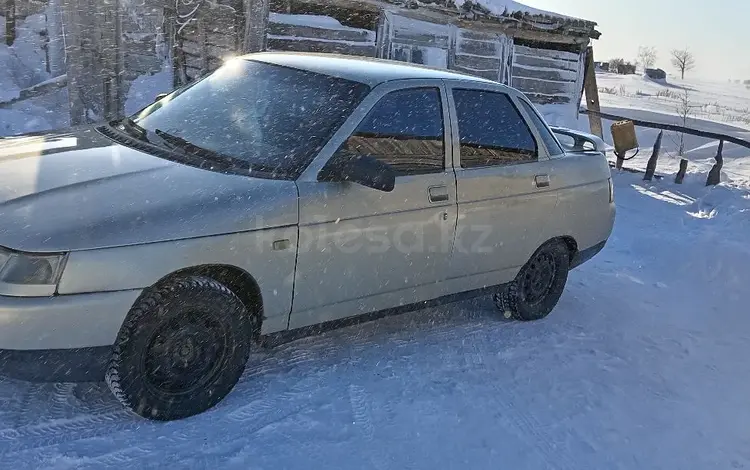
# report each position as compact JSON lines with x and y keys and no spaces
{"x":646,"y":56}
{"x":684,"y":110}
{"x":683,"y":60}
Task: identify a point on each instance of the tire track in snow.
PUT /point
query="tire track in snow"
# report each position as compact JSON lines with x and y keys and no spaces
{"x":362,"y":413}
{"x":61,"y":395}
{"x":59,"y":431}
{"x":531,"y":430}
{"x":361,"y":410}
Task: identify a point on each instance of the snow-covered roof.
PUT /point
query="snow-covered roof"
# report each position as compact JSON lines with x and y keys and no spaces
{"x":511,"y":8}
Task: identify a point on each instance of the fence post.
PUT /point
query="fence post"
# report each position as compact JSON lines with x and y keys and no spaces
{"x":651,"y":165}
{"x":592,"y":94}
{"x":10,"y":22}
{"x":681,"y":174}
{"x":256,"y":23}
{"x":714,"y":176}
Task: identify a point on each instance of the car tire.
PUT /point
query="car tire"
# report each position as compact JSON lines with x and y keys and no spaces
{"x":538,"y":286}
{"x":181,"y":349}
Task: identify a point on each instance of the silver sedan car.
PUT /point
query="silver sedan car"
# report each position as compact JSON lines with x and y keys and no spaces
{"x":282,"y":191}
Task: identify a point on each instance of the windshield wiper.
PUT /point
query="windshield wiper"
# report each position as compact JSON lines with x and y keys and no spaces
{"x":129,"y":126}
{"x":189,"y":148}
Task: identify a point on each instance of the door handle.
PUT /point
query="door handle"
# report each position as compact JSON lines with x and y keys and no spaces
{"x":541,"y":181}
{"x":438,"y":193}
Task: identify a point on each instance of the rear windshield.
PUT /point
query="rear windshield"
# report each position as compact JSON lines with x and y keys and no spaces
{"x":272,"y":117}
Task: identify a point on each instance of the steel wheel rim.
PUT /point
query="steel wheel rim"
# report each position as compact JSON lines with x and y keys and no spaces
{"x":185,"y":354}
{"x":538,"y":278}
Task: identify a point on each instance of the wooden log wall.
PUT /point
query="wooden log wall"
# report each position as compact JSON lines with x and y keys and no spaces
{"x":313,"y":33}
{"x":483,"y":54}
{"x":547,"y":75}
{"x":416,"y":41}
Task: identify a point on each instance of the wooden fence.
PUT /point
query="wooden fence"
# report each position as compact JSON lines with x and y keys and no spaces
{"x":714,"y":176}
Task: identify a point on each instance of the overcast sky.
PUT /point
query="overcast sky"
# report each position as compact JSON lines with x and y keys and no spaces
{"x":717,"y":31}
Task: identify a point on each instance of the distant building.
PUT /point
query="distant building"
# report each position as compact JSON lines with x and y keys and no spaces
{"x":602,"y":66}
{"x":626,"y":69}
{"x":656,"y":74}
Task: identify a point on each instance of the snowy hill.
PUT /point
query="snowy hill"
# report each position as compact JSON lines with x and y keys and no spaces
{"x":717,"y":107}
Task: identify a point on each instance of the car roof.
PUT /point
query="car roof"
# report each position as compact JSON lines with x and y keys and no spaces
{"x":367,"y":70}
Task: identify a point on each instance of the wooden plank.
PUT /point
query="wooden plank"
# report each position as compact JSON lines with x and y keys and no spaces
{"x":194,"y":49}
{"x":225,"y":41}
{"x":545,"y":74}
{"x":545,"y":62}
{"x":549,"y":53}
{"x":280,"y":29}
{"x":482,"y":48}
{"x":532,"y":85}
{"x":417,"y":39}
{"x":488,"y":74}
{"x":539,"y":98}
{"x":318,"y":46}
{"x":256,"y":21}
{"x":479,"y":63}
{"x":469,"y":34}
{"x":592,"y":94}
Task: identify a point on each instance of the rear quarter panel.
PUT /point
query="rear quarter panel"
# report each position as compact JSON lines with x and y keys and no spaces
{"x":583,"y":211}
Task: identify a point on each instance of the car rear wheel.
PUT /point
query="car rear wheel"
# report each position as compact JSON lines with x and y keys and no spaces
{"x":182,"y":349}
{"x":538,"y":286}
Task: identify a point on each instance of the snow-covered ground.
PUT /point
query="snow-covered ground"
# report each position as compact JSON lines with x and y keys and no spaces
{"x":641,"y":365}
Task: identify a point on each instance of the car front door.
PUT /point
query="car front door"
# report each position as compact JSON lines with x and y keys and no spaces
{"x":503,"y":176}
{"x":364,"y":250}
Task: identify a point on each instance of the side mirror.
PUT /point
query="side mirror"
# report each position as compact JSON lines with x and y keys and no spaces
{"x":361,"y":169}
{"x":161,"y":96}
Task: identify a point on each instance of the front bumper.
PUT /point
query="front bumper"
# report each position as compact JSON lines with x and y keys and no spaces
{"x":63,"y":321}
{"x":65,"y":338}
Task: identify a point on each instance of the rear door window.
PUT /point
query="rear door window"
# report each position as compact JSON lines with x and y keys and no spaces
{"x":553,"y":147}
{"x":492,"y":131}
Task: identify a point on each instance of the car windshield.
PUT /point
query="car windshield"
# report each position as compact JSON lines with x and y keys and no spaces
{"x":271,"y":118}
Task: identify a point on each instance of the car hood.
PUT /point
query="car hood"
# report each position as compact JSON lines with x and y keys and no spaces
{"x":79,"y":190}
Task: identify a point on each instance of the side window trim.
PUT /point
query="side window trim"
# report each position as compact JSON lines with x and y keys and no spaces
{"x":541,"y":150}
{"x":535,"y":131}
{"x":446,"y":124}
{"x":310,"y":174}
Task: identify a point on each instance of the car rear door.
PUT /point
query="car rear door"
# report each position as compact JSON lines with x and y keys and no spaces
{"x":364,"y":250}
{"x":504,"y":190}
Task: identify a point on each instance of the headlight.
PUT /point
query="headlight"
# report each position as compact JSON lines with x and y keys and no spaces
{"x":29,"y":275}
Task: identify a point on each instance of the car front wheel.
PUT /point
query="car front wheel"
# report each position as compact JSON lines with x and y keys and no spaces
{"x":181,"y":349}
{"x":538,"y":286}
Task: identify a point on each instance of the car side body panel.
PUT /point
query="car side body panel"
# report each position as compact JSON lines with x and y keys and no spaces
{"x":140,"y":266}
{"x":503,"y":216}
{"x":364,"y":250}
